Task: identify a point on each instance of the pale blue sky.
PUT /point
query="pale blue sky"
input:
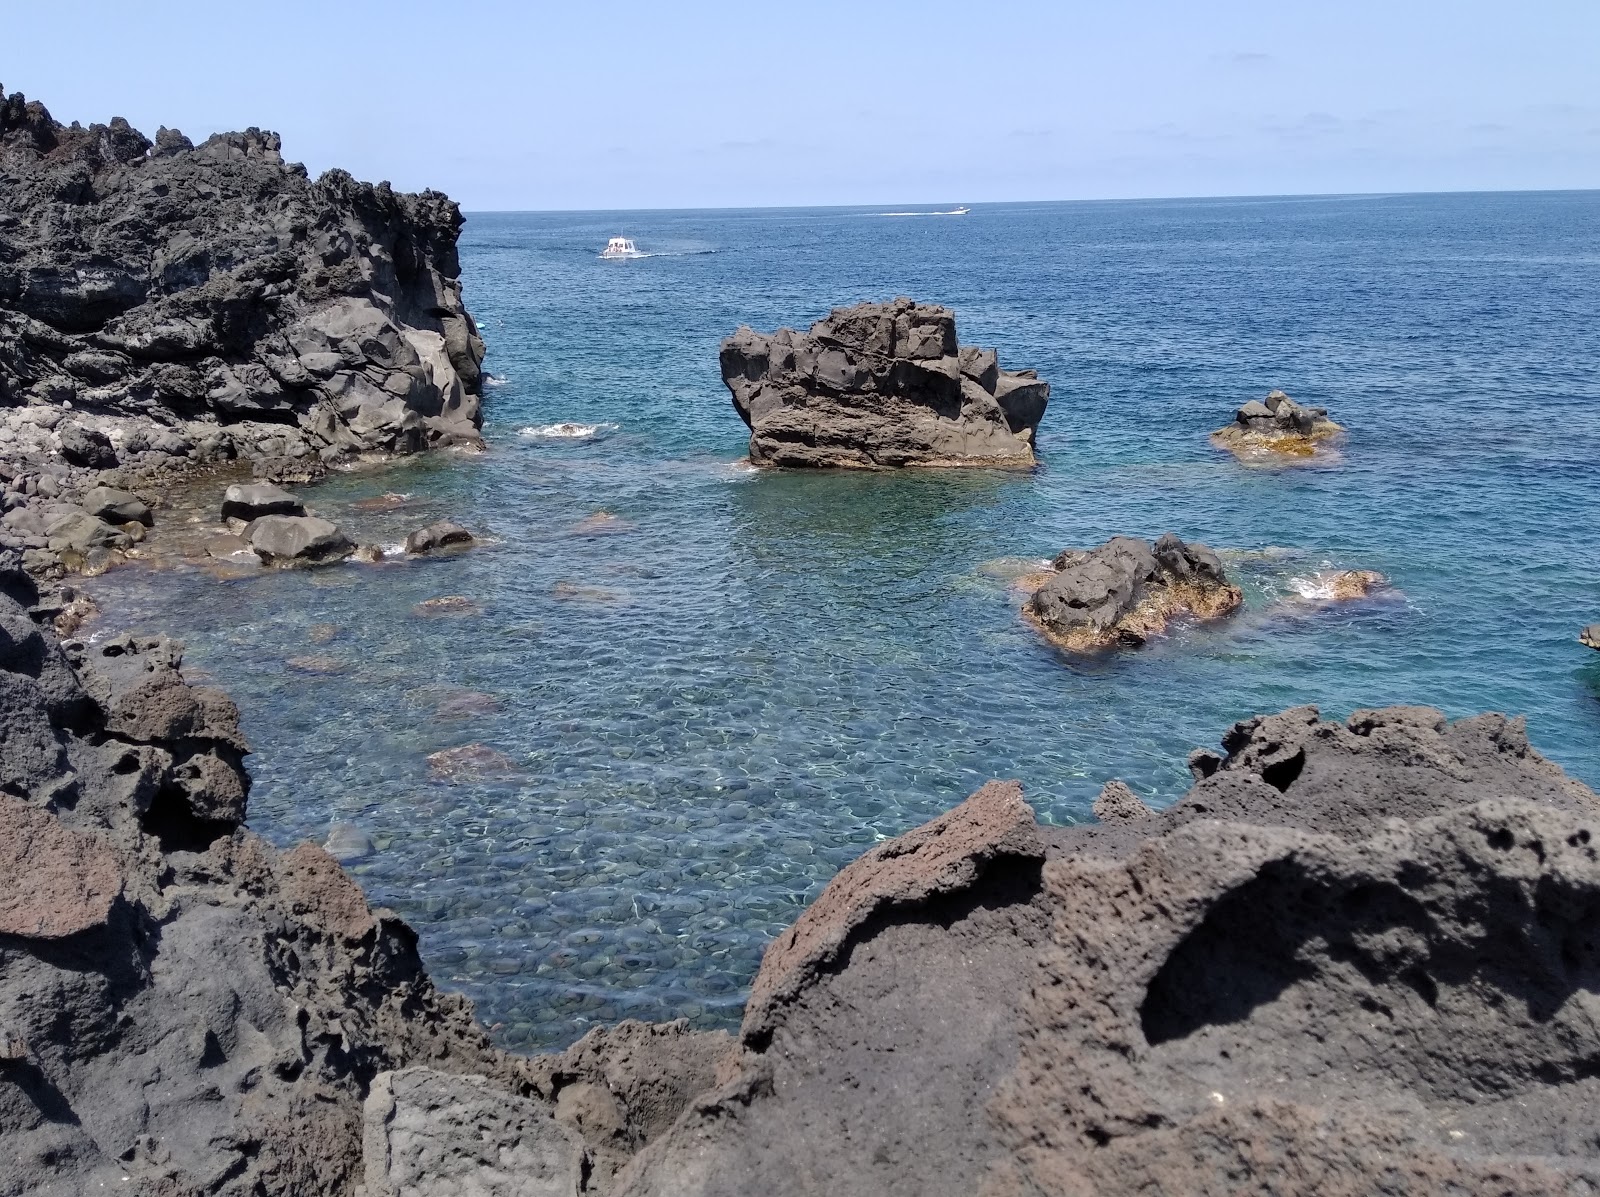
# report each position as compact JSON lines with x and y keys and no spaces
{"x":631,"y":105}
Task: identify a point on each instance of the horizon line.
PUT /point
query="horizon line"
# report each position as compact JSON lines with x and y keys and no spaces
{"x":1129,"y":199}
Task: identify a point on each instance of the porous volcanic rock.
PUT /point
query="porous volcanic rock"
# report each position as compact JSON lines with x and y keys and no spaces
{"x":1118,"y":803}
{"x":184,"y":1008}
{"x":1356,"y":957}
{"x":438,"y":535}
{"x":1277,"y":427}
{"x":1127,"y":590}
{"x":880,"y":385}
{"x":164,"y":305}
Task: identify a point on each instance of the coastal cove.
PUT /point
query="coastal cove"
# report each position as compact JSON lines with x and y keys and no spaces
{"x":713,"y":701}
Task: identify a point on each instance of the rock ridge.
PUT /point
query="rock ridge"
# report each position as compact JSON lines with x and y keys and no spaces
{"x":164,"y":305}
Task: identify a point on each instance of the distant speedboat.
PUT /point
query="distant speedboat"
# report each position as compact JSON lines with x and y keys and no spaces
{"x":961,"y":211}
{"x":620,"y":247}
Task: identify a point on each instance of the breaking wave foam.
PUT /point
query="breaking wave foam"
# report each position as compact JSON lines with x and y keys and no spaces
{"x":568,"y":431}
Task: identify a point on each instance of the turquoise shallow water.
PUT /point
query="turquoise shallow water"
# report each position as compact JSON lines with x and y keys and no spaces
{"x":714,"y":701}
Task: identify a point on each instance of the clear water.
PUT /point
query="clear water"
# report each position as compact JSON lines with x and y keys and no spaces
{"x":720,"y":697}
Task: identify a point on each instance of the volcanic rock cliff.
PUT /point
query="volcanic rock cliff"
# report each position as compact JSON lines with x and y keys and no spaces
{"x":162,"y":302}
{"x":881,"y":385}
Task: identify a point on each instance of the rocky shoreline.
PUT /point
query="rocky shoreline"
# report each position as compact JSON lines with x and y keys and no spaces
{"x":1354,"y":950}
{"x":166,"y":306}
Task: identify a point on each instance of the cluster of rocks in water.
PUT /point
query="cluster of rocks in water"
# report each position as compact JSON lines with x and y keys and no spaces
{"x":1357,"y":956}
{"x":881,"y":385}
{"x":1127,"y":590}
{"x":165,"y":306}
{"x":1276,"y":426}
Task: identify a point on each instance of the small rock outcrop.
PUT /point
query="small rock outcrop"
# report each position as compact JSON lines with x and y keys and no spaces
{"x":1118,"y":803}
{"x":1127,"y":590}
{"x":439,"y":535}
{"x":165,"y":305}
{"x":1276,"y":426}
{"x":1590,"y":636}
{"x":881,"y":385}
{"x":252,"y":500}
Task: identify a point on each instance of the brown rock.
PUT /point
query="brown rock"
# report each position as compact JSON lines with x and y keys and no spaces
{"x":321,"y":894}
{"x":57,"y":881}
{"x":991,"y":827}
{"x":1119,"y":804}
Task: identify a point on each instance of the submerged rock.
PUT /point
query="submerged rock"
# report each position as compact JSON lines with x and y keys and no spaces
{"x":1127,"y":590}
{"x":1276,"y":426}
{"x":346,"y":843}
{"x":880,"y":385}
{"x":294,"y":540}
{"x":1339,"y":586}
{"x":439,"y":535}
{"x":448,"y":604}
{"x":469,"y":762}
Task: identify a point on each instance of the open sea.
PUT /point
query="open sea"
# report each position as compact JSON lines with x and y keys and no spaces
{"x":714,"y":687}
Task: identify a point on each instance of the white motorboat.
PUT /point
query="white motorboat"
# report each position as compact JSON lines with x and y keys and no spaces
{"x":620,"y":247}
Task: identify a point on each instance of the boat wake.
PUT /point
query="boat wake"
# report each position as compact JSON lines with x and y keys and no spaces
{"x":947,"y":212}
{"x":568,"y":432}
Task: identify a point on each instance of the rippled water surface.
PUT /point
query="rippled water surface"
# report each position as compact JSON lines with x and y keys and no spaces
{"x":715,"y":699}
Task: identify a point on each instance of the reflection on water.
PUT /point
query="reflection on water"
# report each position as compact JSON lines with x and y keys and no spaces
{"x":677,"y":695}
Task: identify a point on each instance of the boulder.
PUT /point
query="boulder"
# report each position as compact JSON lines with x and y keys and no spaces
{"x":58,"y":881}
{"x":880,"y":385}
{"x":1590,"y":636}
{"x":1276,"y":426}
{"x":439,"y":535}
{"x":117,"y":506}
{"x":287,"y":540}
{"x":1127,"y":590}
{"x":82,"y":532}
{"x":251,"y":500}
{"x":86,"y":447}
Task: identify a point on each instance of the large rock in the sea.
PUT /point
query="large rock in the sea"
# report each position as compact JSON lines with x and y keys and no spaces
{"x":1127,"y":590}
{"x":1276,"y":427}
{"x":164,"y":285}
{"x":288,"y":540}
{"x":1356,"y":957}
{"x":880,"y":385}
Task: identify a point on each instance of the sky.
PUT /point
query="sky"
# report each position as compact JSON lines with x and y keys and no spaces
{"x":614,"y":105}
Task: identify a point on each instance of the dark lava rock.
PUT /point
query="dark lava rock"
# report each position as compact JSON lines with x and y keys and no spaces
{"x":1128,"y":590}
{"x":82,"y":446}
{"x":1276,"y":426}
{"x":1355,"y":957}
{"x":294,"y":540}
{"x":219,"y":281}
{"x":442,"y":534}
{"x":880,"y":385}
{"x":183,"y":1008}
{"x":251,"y":500}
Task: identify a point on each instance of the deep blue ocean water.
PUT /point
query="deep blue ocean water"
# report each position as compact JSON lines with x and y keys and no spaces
{"x":744,"y":680}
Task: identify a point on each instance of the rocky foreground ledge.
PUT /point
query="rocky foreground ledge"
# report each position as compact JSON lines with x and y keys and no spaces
{"x":164,"y":304}
{"x":877,"y":386}
{"x":1355,"y":957}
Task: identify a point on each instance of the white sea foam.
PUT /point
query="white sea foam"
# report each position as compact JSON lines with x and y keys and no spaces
{"x":1318,"y":589}
{"x":951,"y":212}
{"x":568,"y":432}
{"x":494,"y":380}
